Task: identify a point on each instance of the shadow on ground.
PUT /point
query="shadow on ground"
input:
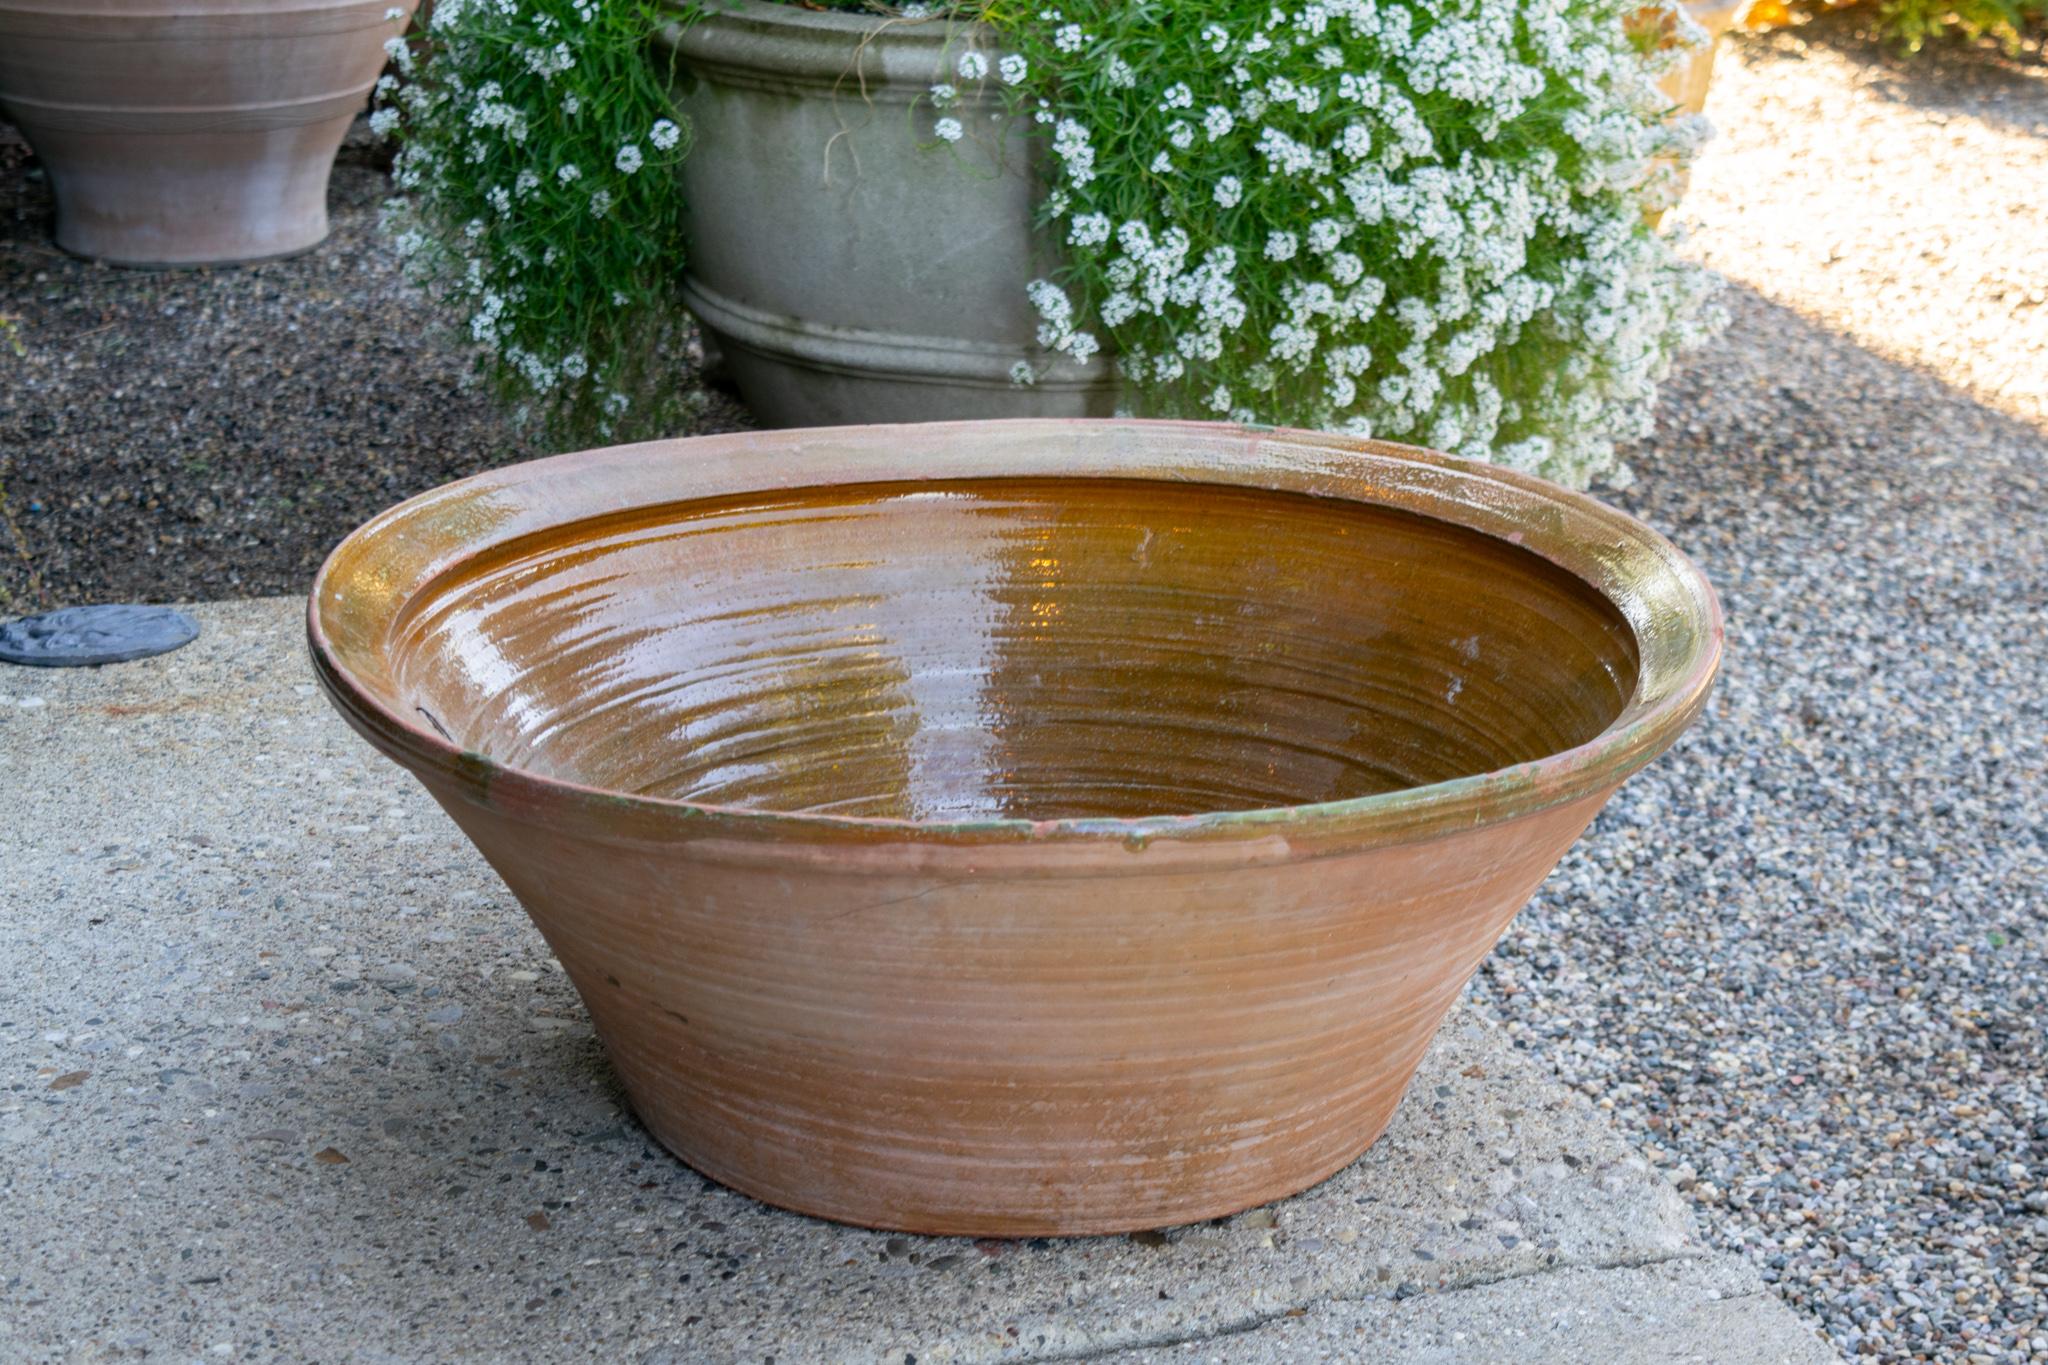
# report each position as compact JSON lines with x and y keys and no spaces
{"x":1802,"y":957}
{"x":1955,"y":76}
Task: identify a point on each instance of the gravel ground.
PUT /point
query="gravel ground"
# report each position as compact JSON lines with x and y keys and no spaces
{"x":1802,"y":957}
{"x":210,"y":433}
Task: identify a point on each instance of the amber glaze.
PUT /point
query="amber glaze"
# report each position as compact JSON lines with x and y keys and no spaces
{"x":1016,"y":828}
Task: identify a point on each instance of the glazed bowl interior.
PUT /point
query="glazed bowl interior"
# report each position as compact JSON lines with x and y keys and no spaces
{"x":1036,"y":648}
{"x":1044,"y":625}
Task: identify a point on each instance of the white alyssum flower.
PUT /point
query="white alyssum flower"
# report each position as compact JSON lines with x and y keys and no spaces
{"x":629,"y":159}
{"x":549,"y":62}
{"x":665,"y":135}
{"x":1056,"y":330}
{"x":1420,"y":265}
{"x":972,"y":66}
{"x":1013,"y":68}
{"x":1071,"y":143}
{"x":1088,"y":229}
{"x":948,"y":130}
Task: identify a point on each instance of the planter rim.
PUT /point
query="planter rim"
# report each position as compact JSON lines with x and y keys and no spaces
{"x":366,"y":584}
{"x":871,"y":58}
{"x":158,"y":12}
{"x":767,"y":15}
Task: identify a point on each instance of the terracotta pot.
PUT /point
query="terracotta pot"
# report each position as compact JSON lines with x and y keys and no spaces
{"x":849,"y":266}
{"x":1016,"y":828}
{"x":190,"y":132}
{"x":1687,"y":83}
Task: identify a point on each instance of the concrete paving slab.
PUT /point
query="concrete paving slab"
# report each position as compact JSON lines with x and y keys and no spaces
{"x":289,"y":1075}
{"x":1689,"y":1311}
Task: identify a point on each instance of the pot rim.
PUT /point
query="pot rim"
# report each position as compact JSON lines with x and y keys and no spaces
{"x":864,"y":57}
{"x":160,"y":12}
{"x":767,"y":14}
{"x":1667,"y":602}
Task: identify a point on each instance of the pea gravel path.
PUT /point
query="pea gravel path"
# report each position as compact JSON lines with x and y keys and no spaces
{"x":211,"y":433}
{"x":1803,"y":958}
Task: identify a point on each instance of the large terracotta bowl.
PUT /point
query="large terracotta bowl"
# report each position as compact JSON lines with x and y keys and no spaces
{"x":1016,"y":828}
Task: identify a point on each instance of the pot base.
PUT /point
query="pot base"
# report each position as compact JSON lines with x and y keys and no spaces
{"x":982,"y":1222}
{"x":794,"y":372}
{"x":232,"y":263}
{"x":194,"y":200}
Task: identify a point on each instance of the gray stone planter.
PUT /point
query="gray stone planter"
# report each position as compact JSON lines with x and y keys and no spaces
{"x":850,"y":268}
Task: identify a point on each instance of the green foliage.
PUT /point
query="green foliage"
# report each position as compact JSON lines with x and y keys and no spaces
{"x":536,"y":169}
{"x":1912,"y":22}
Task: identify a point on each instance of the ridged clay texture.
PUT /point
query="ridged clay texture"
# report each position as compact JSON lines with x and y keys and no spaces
{"x":190,"y":132}
{"x":1016,"y":828}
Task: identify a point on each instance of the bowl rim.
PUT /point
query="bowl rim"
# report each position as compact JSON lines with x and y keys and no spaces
{"x":1661,"y":594}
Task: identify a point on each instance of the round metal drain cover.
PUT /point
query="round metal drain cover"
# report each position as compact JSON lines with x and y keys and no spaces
{"x":79,"y":636}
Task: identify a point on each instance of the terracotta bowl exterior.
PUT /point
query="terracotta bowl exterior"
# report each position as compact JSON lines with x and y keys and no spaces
{"x":190,"y":132}
{"x":1016,"y":828}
